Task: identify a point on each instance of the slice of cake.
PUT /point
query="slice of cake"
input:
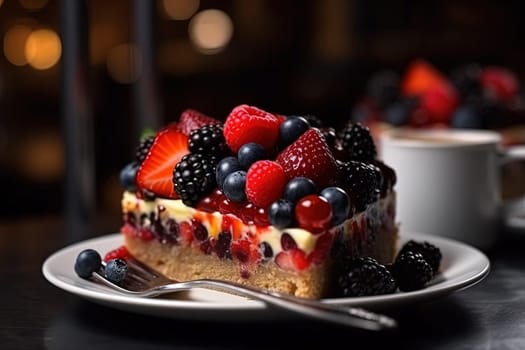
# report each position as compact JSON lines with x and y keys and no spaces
{"x":260,"y":199}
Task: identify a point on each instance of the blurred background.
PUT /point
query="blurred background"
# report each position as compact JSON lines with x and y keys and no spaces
{"x":318,"y":57}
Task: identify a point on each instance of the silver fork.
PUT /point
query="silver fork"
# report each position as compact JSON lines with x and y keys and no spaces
{"x":142,"y":281}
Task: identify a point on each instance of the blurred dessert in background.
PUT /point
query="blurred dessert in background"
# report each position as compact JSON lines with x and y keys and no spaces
{"x":422,"y":96}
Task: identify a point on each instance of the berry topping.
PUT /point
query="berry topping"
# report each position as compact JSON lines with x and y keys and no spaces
{"x":313,"y":120}
{"x":194,"y":177}
{"x":143,"y":148}
{"x":364,"y":276}
{"x":358,"y":143}
{"x":500,"y":83}
{"x":156,"y":172}
{"x":297,"y":188}
{"x":250,"y":153}
{"x":250,"y":124}
{"x":309,"y":156}
{"x":225,"y":167}
{"x":128,"y":176}
{"x":116,"y":270}
{"x":291,"y":129}
{"x":430,"y":252}
{"x":313,"y":213}
{"x":191,"y":119}
{"x":87,"y":262}
{"x":234,"y":186}
{"x":411,"y":271}
{"x":281,"y":213}
{"x":265,"y":181}
{"x":208,"y":140}
{"x":120,"y":252}
{"x":360,"y":181}
{"x":340,"y":203}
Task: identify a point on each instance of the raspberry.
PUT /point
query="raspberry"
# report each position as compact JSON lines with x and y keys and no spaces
{"x":120,"y":252}
{"x":309,"y":156}
{"x":364,"y":277}
{"x":250,"y":124}
{"x":500,"y":83}
{"x":265,"y":181}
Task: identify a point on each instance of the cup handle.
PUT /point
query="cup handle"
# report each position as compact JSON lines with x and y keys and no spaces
{"x":514,"y":209}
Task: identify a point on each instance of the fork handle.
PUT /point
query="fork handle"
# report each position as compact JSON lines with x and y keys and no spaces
{"x":344,"y":315}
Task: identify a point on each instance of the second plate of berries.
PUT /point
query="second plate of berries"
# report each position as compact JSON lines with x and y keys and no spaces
{"x":426,"y":267}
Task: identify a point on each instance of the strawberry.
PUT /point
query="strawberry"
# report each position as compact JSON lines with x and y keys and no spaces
{"x":294,"y":260}
{"x":250,"y":124}
{"x":309,"y":156}
{"x":420,"y":77}
{"x":440,"y":101}
{"x":500,"y":83}
{"x":156,"y":172}
{"x":265,"y":181}
{"x":191,"y":119}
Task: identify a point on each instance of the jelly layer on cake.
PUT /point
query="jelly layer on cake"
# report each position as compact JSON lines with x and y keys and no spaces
{"x":184,"y":243}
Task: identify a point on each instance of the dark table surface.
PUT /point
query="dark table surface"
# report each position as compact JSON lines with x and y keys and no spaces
{"x":35,"y":314}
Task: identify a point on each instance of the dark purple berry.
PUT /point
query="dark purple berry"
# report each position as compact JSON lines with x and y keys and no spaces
{"x":287,"y":242}
{"x":194,"y":177}
{"x":431,"y":253}
{"x":358,"y":142}
{"x":364,"y":277}
{"x":249,"y":153}
{"x":360,"y":181}
{"x":411,"y":271}
{"x":143,"y":148}
{"x":128,"y":176}
{"x":225,"y":167}
{"x":208,"y":140}
{"x":297,"y":188}
{"x":87,"y":262}
{"x":340,"y":203}
{"x":281,"y":213}
{"x":291,"y":129}
{"x":116,"y":270}
{"x":234,"y":186}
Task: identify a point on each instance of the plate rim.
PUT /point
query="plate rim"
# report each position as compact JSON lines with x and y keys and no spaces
{"x":104,"y":295}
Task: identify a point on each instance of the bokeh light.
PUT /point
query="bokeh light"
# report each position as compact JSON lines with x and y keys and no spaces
{"x":43,"y":49}
{"x":180,"y":9}
{"x":211,"y":30}
{"x":123,"y":63}
{"x":15,"y":43}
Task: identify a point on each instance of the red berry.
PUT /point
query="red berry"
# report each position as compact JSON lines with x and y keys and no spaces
{"x":313,"y":213}
{"x":156,"y":172}
{"x":117,"y":253}
{"x":186,"y":232}
{"x":440,"y":101}
{"x":500,"y":83}
{"x":299,"y":259}
{"x":265,"y":181}
{"x":191,"y":119}
{"x":250,"y":124}
{"x":211,"y":202}
{"x":309,"y":156}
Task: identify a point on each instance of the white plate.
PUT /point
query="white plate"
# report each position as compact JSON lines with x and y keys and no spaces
{"x":462,"y":266}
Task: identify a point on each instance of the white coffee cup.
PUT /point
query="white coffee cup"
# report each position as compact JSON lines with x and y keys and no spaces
{"x":449,"y":181}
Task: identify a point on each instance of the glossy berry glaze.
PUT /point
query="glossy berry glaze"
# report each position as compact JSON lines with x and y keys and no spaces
{"x":242,"y":233}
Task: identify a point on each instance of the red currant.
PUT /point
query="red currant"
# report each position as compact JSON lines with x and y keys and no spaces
{"x":313,"y":213}
{"x":211,"y":203}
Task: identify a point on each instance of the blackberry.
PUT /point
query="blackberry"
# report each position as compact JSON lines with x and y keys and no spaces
{"x":358,"y":142}
{"x":143,"y":148}
{"x":411,"y":271}
{"x":430,"y":252}
{"x":313,"y":120}
{"x":209,"y":140}
{"x":388,"y":174}
{"x":194,"y":177}
{"x":364,"y":276}
{"x":361,"y":181}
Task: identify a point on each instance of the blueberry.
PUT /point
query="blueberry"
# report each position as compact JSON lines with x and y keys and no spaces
{"x":398,"y":113}
{"x":281,"y":213}
{"x":291,"y":129}
{"x":128,"y":176}
{"x":466,"y":117}
{"x":249,"y":153}
{"x":116,"y":270}
{"x":234,"y":186}
{"x":87,"y":262}
{"x":297,"y":188}
{"x":340,"y":202}
{"x":225,"y":167}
